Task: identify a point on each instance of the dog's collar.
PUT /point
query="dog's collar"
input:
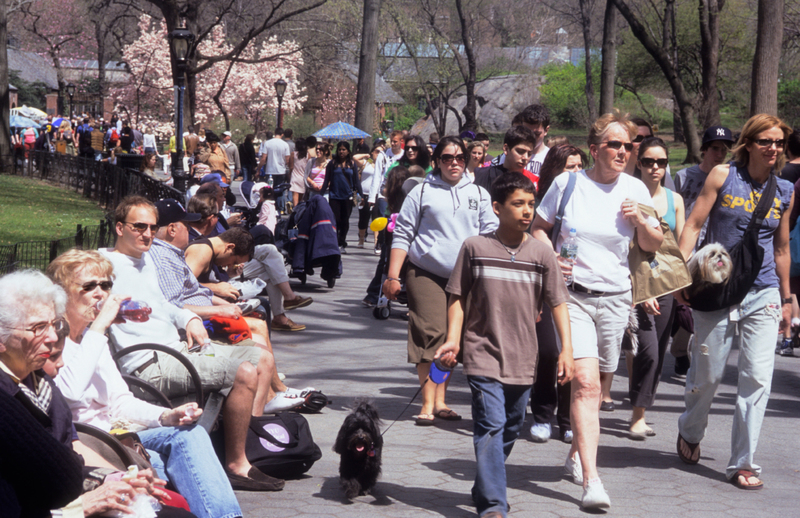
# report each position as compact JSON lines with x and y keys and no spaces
{"x":371,"y":453}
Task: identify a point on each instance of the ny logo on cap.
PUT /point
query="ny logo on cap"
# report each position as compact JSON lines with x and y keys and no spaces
{"x":720,"y":132}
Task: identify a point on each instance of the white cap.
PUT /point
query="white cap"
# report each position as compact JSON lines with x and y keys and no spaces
{"x":228,"y":133}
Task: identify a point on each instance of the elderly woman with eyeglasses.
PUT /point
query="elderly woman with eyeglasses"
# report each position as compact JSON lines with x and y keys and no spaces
{"x":604,"y":210}
{"x":97,"y":395}
{"x":435,"y":219}
{"x":31,"y":328}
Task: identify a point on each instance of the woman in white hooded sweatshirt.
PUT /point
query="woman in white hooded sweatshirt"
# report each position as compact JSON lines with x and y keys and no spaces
{"x":436,"y":218}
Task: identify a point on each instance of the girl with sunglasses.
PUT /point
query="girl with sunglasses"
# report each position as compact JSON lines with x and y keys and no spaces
{"x":435,"y":219}
{"x":655,"y":315}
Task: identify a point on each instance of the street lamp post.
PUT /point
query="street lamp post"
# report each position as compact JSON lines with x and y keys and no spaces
{"x":180,"y":42}
{"x":280,"y":89}
{"x":388,"y":126}
{"x":71,"y":93}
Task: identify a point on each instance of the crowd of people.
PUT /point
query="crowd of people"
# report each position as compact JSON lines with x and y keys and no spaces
{"x":478,"y":246}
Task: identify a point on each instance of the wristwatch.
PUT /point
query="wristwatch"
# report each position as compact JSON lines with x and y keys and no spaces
{"x":787,"y":300}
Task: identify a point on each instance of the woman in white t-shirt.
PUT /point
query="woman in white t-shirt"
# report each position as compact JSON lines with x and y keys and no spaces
{"x":603,"y":209}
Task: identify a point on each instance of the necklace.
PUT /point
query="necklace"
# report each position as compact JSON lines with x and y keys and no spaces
{"x":513,"y":253}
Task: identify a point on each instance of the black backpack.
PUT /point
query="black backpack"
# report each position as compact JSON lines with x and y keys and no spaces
{"x":281,"y":445}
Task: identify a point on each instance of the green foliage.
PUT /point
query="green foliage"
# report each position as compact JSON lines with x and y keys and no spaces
{"x":31,"y":210}
{"x":788,"y":95}
{"x":563,"y":92}
{"x":407,"y":116}
{"x":29,"y":94}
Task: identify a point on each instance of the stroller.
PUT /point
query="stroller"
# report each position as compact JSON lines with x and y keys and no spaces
{"x":383,"y":309}
{"x":308,"y":240}
{"x":249,"y":192}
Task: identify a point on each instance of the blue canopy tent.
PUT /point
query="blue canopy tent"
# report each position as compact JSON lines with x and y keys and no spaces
{"x":18,"y":121}
{"x":341,"y":131}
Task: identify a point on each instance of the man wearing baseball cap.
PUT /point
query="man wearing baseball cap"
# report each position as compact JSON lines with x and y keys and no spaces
{"x":717,"y":141}
{"x":233,"y":153}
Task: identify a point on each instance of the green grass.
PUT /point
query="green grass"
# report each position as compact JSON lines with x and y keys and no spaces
{"x":31,"y":210}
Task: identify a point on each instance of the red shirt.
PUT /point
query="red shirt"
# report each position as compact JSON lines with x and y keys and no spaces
{"x":533,"y":177}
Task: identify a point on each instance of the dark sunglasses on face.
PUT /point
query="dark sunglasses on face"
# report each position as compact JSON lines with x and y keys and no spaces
{"x":765,"y":142}
{"x":412,"y":148}
{"x":640,"y":138}
{"x":448,"y":159}
{"x":616,"y":144}
{"x":649,"y":162}
{"x":142,"y":227}
{"x":91,"y":285}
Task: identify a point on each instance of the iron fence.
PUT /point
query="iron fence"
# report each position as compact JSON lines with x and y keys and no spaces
{"x":38,"y":254}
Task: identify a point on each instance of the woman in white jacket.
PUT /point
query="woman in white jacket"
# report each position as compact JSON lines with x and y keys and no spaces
{"x":436,"y":218}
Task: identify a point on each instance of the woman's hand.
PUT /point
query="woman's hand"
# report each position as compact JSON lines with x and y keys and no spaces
{"x":181,"y":416}
{"x":391,"y":288}
{"x":109,"y":314}
{"x":147,"y":484}
{"x":631,"y":212}
{"x":447,"y":354}
{"x":565,"y":264}
{"x":651,"y":307}
{"x":110,"y":496}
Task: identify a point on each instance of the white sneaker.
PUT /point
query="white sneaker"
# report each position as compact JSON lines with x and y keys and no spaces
{"x":283,"y":401}
{"x":540,"y":432}
{"x":595,"y":496}
{"x":301,"y":393}
{"x":574,"y":469}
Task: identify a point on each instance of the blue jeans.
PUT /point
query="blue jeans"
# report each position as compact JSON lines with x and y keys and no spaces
{"x":755,"y":329}
{"x":184,"y":456}
{"x":498,"y":414}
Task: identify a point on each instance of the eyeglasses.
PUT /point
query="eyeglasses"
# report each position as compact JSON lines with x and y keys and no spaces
{"x":448,"y":159}
{"x":765,"y":142}
{"x":142,"y":227}
{"x":640,"y":138}
{"x":650,"y":162}
{"x":412,"y":148}
{"x":91,"y":285}
{"x":41,"y":328}
{"x":616,"y":144}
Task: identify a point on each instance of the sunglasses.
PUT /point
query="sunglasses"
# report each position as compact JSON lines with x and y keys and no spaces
{"x":765,"y":142}
{"x":41,"y":328}
{"x":640,"y":138}
{"x":412,"y":148}
{"x":91,"y":285}
{"x":448,"y":159}
{"x":142,"y":227}
{"x":650,"y":162}
{"x":616,"y":144}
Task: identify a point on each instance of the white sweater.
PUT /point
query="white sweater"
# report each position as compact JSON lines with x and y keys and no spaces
{"x":95,"y":390}
{"x":137,"y":279}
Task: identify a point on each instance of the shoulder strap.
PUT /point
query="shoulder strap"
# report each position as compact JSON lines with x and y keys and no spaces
{"x":764,"y":203}
{"x":573,"y":176}
{"x":419,"y":218}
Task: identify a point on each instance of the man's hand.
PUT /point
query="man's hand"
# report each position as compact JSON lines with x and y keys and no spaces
{"x":447,"y":354}
{"x":182,"y":415}
{"x":235,"y":219}
{"x":566,"y":368}
{"x":228,"y":311}
{"x":224,"y":290}
{"x":391,"y":288}
{"x":195,"y":332}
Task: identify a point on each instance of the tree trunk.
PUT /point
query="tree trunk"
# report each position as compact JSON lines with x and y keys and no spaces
{"x":609,"y":58}
{"x":764,"y":89}
{"x":662,"y":58}
{"x":101,"y":66}
{"x":470,"y":110}
{"x":5,"y":130}
{"x":367,"y":67}
{"x":586,"y":26}
{"x":709,"y":55}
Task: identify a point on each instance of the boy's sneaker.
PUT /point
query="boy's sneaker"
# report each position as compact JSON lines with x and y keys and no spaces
{"x":566,"y":436}
{"x":595,"y":496}
{"x":785,"y":348}
{"x":540,"y":432}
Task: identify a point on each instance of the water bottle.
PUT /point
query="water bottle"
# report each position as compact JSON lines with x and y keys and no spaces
{"x":569,"y":251}
{"x":269,"y":181}
{"x":131,"y":310}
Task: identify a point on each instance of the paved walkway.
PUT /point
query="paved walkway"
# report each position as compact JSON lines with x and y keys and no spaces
{"x":429,"y":471}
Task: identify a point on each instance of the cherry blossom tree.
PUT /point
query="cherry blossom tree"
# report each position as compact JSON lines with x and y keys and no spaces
{"x":338,"y":104}
{"x":242,"y":86}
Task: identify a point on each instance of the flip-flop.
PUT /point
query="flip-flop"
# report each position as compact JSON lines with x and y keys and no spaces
{"x":447,"y":414}
{"x":637,"y":436}
{"x":694,"y":448}
{"x":424,"y":419}
{"x":746,"y":474}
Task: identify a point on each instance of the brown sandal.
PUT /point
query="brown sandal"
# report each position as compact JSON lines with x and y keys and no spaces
{"x":746,"y":474}
{"x":694,"y":449}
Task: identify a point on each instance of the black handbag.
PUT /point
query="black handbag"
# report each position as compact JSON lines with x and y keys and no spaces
{"x":281,"y":445}
{"x":746,"y":259}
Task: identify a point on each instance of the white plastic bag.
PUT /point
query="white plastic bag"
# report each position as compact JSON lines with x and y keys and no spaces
{"x":249,"y":288}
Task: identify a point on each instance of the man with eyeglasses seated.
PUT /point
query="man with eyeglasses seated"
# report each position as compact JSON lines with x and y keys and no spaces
{"x":241,"y":373}
{"x":518,"y":145}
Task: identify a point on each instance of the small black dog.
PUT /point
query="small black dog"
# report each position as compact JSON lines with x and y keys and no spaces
{"x":359,"y":443}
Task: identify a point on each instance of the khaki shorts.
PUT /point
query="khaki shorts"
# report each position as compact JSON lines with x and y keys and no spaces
{"x":216,"y":372}
{"x":597,"y":324}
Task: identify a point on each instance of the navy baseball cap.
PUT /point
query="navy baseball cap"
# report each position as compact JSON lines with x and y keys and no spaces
{"x":718,"y":133}
{"x":214,"y":177}
{"x":171,"y":211}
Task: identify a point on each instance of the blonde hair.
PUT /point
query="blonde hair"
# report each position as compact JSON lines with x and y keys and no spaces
{"x":755,"y":125}
{"x":63,"y":267}
{"x":602,"y":126}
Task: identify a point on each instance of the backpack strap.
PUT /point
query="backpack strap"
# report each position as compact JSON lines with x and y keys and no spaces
{"x":573,"y":176}
{"x":764,"y":203}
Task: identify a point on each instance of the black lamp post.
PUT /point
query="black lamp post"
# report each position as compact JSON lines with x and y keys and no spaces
{"x":71,"y":93}
{"x":388,"y":126}
{"x":280,"y":89}
{"x":180,"y":41}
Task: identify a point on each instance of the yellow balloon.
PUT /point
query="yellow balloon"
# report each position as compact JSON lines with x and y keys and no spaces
{"x":378,"y":224}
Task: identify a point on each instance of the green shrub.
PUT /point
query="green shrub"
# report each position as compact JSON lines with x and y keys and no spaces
{"x":563,"y":92}
{"x":407,"y":116}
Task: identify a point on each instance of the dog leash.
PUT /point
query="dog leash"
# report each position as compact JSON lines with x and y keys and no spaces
{"x":408,"y":405}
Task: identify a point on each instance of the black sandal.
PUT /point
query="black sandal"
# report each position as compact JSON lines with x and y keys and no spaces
{"x":694,"y":448}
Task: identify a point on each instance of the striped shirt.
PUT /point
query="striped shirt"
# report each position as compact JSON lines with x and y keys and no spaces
{"x":505,"y":288}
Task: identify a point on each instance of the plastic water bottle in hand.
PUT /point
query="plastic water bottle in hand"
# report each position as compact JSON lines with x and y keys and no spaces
{"x":131,"y":310}
{"x":569,"y":252}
